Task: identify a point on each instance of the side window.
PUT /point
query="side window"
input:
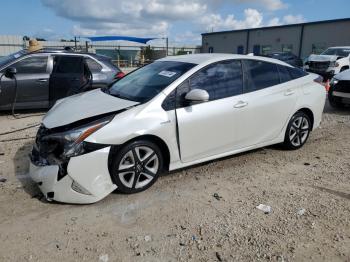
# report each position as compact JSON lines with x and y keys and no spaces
{"x":180,"y":92}
{"x":68,"y":65}
{"x":296,"y":72}
{"x":284,"y":73}
{"x":220,"y":80}
{"x":32,"y":65}
{"x":169,"y":102}
{"x":259,"y":75}
{"x":93,"y":65}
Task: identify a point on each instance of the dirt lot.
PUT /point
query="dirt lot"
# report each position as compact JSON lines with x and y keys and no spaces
{"x":179,"y":219}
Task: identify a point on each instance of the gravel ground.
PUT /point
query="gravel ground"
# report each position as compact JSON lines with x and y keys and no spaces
{"x":203,"y":213}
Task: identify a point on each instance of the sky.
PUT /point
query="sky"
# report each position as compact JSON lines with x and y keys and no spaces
{"x":182,"y":21}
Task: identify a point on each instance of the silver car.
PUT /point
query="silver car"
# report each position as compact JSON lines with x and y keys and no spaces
{"x":46,"y":76}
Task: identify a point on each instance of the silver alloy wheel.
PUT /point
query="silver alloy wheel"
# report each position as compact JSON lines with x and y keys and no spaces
{"x":138,"y":167}
{"x":299,"y":131}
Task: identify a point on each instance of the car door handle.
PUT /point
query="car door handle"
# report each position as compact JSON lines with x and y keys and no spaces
{"x":240,"y":104}
{"x":42,"y":80}
{"x":289,"y":93}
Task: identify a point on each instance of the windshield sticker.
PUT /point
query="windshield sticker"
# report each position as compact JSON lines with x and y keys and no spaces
{"x":167,"y":73}
{"x":16,"y":55}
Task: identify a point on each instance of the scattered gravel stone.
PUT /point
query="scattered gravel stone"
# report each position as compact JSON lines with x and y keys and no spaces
{"x":266,"y":209}
{"x":301,"y":211}
{"x":103,"y":258}
{"x":148,"y":238}
{"x":218,"y":256}
{"x":217,"y":197}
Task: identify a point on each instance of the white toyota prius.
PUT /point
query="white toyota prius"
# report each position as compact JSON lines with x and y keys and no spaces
{"x":173,"y":113}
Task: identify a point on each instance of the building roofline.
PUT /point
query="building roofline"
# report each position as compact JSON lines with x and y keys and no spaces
{"x":279,"y":26}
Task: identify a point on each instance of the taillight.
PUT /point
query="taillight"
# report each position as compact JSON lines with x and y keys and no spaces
{"x":319,"y":80}
{"x":119,"y":75}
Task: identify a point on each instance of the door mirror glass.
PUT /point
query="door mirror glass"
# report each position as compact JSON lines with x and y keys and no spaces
{"x":197,"y":96}
{"x":10,"y":72}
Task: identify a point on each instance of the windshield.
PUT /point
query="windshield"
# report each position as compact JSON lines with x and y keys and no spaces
{"x":8,"y":59}
{"x":148,"y":81}
{"x":337,"y":51}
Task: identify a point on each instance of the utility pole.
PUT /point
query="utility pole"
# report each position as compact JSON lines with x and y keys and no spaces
{"x":167,"y":45}
{"x":75,"y":43}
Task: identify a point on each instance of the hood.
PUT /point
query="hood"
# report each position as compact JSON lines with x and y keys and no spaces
{"x":322,"y":58}
{"x":82,"y":106}
{"x":343,"y":76}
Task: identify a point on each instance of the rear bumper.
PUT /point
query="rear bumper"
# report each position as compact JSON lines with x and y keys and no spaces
{"x":87,"y":180}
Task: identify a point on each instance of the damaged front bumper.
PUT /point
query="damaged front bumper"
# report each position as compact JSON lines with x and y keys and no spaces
{"x":87,"y":179}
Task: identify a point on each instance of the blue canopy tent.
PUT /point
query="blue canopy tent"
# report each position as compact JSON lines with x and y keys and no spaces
{"x":141,"y":40}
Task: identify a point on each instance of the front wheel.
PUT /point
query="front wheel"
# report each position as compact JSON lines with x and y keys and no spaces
{"x":298,"y":131}
{"x":136,"y":166}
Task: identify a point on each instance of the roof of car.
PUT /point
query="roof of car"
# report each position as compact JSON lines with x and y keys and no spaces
{"x":62,"y":51}
{"x":210,"y":58}
{"x":340,"y":47}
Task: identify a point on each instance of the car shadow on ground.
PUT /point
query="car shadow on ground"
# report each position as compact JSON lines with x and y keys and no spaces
{"x":336,"y":111}
{"x":21,"y":164}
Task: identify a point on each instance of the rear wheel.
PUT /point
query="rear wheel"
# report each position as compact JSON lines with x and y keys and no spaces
{"x":137,"y":166}
{"x":298,"y":131}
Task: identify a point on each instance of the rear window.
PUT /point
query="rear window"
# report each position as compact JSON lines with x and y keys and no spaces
{"x":260,"y":75}
{"x":108,"y":62}
{"x":284,"y":73}
{"x":93,"y":65}
{"x":296,"y":72}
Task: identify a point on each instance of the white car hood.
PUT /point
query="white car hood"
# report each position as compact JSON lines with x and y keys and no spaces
{"x":343,"y":76}
{"x":81,"y":106}
{"x":322,"y":58}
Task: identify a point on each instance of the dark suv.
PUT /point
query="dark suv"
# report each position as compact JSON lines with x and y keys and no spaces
{"x":47,"y":75}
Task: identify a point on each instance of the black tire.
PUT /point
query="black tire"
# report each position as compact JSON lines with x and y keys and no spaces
{"x":131,"y":179}
{"x":335,"y":102}
{"x":301,"y":131}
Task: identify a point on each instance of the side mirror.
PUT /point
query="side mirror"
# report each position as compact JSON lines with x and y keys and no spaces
{"x":10,"y":72}
{"x":197,"y":96}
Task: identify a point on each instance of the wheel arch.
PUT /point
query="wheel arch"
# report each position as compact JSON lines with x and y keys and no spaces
{"x":343,"y":68}
{"x":152,"y":138}
{"x":309,"y":113}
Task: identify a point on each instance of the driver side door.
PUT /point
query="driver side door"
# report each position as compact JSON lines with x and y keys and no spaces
{"x":209,"y":128}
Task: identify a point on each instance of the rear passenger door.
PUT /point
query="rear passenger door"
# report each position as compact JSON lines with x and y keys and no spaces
{"x":269,"y":99}
{"x":68,"y":76}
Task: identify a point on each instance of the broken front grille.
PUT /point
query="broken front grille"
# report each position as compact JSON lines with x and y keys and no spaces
{"x":319,"y":65}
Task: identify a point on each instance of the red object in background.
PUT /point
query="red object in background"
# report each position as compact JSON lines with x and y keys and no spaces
{"x":327,"y":85}
{"x":319,"y":80}
{"x":119,"y":75}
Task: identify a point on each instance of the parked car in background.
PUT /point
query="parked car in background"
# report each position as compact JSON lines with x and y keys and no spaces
{"x":175,"y":112}
{"x":329,"y":63}
{"x":339,"y":92}
{"x":47,"y":75}
{"x":287,"y":57}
